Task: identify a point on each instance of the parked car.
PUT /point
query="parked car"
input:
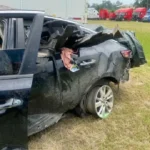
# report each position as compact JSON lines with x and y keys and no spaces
{"x":125,"y":14}
{"x":139,"y":13}
{"x":93,"y":14}
{"x":31,"y":63}
{"x":146,"y":18}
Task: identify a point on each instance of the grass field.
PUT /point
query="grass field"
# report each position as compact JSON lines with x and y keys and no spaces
{"x":128,"y":127}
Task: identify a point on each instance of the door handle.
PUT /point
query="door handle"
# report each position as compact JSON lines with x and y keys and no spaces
{"x":10,"y":103}
{"x":88,"y":62}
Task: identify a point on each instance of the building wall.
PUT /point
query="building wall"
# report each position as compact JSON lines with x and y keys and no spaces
{"x":10,"y":3}
{"x":58,"y":8}
{"x":62,"y":8}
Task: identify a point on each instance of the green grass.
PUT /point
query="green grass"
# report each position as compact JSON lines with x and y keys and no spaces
{"x":128,"y":127}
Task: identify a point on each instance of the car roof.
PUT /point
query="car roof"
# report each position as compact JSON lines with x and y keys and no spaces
{"x":140,"y":9}
{"x":16,"y":13}
{"x":126,"y":9}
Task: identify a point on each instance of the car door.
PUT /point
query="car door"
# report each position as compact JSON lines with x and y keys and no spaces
{"x":69,"y":80}
{"x":15,"y":86}
{"x":14,"y":92}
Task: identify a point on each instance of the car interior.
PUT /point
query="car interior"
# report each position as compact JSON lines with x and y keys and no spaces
{"x":56,"y":34}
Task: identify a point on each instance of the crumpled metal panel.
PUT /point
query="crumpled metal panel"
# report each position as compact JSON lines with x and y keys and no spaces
{"x":130,"y":41}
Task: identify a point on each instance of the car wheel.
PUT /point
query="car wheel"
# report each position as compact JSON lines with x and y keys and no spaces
{"x":100,"y":101}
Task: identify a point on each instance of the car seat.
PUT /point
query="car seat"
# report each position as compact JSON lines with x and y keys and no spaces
{"x":5,"y":64}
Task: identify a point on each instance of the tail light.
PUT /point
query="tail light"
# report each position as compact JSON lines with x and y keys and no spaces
{"x":126,"y":53}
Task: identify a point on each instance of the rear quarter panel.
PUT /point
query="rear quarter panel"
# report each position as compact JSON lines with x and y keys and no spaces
{"x":110,"y":63}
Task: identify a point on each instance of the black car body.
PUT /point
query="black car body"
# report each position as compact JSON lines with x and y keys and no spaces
{"x":54,"y":89}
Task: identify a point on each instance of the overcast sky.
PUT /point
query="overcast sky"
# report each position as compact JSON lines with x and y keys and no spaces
{"x":124,"y":1}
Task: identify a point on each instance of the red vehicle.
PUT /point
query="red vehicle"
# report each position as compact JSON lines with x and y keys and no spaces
{"x":125,"y":14}
{"x":113,"y":15}
{"x":139,"y":13}
{"x":103,"y":14}
{"x":118,"y":11}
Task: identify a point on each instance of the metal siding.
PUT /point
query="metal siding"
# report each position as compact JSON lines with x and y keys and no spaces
{"x":50,"y":6}
{"x":62,"y":8}
{"x":58,"y":8}
{"x":76,"y":8}
{"x":11,"y":3}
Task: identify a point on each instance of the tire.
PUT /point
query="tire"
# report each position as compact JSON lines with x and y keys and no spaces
{"x":100,"y":101}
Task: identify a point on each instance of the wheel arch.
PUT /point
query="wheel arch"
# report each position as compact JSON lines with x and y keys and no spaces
{"x":93,"y":84}
{"x":104,"y":79}
{"x":99,"y":81}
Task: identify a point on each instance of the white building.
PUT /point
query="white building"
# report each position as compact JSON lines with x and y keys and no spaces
{"x":75,"y":9}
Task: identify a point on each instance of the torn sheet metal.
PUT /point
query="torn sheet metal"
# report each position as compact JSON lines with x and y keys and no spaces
{"x":128,"y":39}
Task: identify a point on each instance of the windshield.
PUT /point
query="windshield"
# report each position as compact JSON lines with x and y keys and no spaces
{"x":122,"y":13}
{"x":136,"y":13}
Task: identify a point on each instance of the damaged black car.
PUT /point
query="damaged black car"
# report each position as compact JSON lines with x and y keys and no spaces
{"x":50,"y":66}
